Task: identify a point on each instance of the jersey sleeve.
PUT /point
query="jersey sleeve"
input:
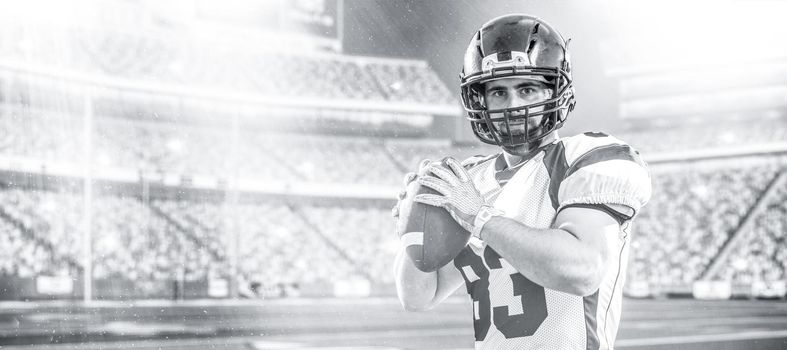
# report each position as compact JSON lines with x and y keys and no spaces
{"x":604,"y":170}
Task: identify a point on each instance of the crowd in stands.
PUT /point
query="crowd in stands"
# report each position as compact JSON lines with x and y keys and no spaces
{"x":190,"y":240}
{"x":691,"y":216}
{"x":199,"y":220}
{"x":176,"y":57}
{"x":365,"y":235}
{"x":666,"y":252}
{"x":22,"y":257}
{"x":43,"y":232}
{"x":273,"y":157}
{"x":38,"y":228}
{"x":49,"y":136}
{"x":328,"y":159}
{"x":393,"y":77}
{"x":279,"y":244}
{"x":709,"y":135}
{"x":189,"y":150}
{"x":135,"y":242}
{"x":409,"y":153}
{"x":693,"y":212}
{"x":165,"y":240}
{"x":761,"y":256}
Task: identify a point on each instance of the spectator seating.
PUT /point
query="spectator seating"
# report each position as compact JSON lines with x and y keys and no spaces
{"x":761,"y":256}
{"x":174,"y":56}
{"x":722,"y":134}
{"x":692,"y":213}
{"x":366,"y":235}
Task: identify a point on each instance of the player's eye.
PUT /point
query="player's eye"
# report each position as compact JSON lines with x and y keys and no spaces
{"x":497,"y":93}
{"x":528,"y":91}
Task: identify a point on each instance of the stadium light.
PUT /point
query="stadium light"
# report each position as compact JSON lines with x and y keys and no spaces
{"x":175,"y":145}
{"x":38,"y":9}
{"x":700,"y":191}
{"x":728,"y":137}
{"x":689,"y":34}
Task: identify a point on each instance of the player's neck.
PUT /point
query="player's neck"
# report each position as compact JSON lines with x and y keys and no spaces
{"x":517,"y":155}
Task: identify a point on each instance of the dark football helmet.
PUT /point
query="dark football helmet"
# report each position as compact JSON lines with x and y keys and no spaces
{"x":524,"y":46}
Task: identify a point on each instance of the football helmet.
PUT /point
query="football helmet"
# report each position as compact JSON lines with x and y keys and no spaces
{"x":522,"y":46}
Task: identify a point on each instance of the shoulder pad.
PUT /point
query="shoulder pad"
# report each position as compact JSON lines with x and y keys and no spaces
{"x":576,"y":146}
{"x":603,"y":170}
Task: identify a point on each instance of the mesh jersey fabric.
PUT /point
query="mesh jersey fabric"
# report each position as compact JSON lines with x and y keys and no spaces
{"x":512,"y":312}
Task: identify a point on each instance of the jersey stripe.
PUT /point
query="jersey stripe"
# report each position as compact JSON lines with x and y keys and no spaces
{"x":591,"y":307}
{"x":556,"y":166}
{"x":618,"y":216}
{"x":604,"y":153}
{"x":504,"y":175}
{"x":615,"y":287}
{"x":595,"y":134}
{"x":599,"y":164}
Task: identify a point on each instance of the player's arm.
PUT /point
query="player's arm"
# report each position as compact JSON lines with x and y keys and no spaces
{"x":572,"y":256}
{"x":418,"y":290}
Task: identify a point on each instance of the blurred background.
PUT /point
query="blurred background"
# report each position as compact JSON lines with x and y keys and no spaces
{"x":219,"y":174}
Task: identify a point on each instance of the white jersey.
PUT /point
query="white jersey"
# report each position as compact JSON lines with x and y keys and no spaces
{"x":512,"y":312}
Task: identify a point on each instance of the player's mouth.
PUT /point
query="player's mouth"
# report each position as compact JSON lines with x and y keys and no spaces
{"x":517,"y":128}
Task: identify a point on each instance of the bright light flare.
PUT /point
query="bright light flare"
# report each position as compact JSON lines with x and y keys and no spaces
{"x":687,"y":34}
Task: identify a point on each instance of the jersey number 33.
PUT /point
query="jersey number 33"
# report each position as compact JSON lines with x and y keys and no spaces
{"x":527,"y":294}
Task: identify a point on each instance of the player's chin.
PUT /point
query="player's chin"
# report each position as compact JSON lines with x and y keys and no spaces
{"x":519,"y":130}
{"x":522,"y":149}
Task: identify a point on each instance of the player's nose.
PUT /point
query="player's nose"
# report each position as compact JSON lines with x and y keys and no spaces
{"x":516,"y":101}
{"x":516,"y":104}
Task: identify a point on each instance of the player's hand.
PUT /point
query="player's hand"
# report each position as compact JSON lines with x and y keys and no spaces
{"x":458,"y":194}
{"x":408,"y":178}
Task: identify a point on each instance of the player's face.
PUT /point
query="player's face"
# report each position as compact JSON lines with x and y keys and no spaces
{"x":516,"y":92}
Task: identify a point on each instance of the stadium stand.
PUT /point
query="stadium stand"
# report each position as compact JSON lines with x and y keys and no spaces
{"x":267,"y":252}
{"x":40,"y":233}
{"x":330,"y":159}
{"x":276,"y":245}
{"x":358,"y":233}
{"x":720,"y":134}
{"x":22,"y":256}
{"x":694,"y":211}
{"x":678,"y":248}
{"x":51,"y":136}
{"x":130,"y":241}
{"x":409,"y":152}
{"x":169,"y":59}
{"x":393,"y":81}
{"x":761,"y":255}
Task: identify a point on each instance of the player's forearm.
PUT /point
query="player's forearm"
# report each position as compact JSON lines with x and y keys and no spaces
{"x":416,"y":289}
{"x":553,"y":258}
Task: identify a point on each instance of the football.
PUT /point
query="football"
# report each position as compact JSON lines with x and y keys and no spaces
{"x":431,"y":236}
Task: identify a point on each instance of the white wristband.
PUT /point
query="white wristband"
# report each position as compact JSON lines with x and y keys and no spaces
{"x":485,"y":214}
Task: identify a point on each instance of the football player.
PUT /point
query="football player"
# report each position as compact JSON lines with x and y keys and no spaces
{"x":550,"y":216}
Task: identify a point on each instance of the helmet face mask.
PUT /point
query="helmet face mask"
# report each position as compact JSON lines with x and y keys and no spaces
{"x":516,"y":46}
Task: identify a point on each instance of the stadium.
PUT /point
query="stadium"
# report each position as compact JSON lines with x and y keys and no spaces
{"x":220,"y":175}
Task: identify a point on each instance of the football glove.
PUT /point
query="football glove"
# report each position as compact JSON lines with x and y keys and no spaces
{"x":408,"y":178}
{"x":458,"y":195}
